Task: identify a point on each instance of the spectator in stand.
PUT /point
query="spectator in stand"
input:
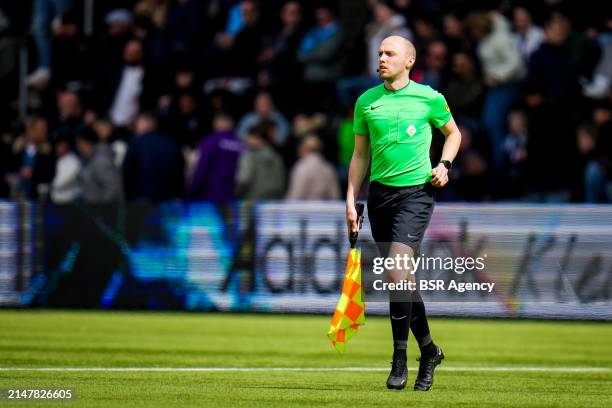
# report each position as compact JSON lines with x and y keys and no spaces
{"x":72,"y":55}
{"x":183,"y":25}
{"x":598,"y":85}
{"x":9,"y":46}
{"x":65,"y":187}
{"x":407,"y":8}
{"x":386,"y":22}
{"x":7,"y":138}
{"x":265,"y":111}
{"x":239,"y":44}
{"x":112,"y":45}
{"x":465,"y":90}
{"x":345,"y":139}
{"x":551,"y":90}
{"x":154,"y":12}
{"x":235,"y":19}
{"x":281,"y":60}
{"x":515,"y":148}
{"x":455,"y":36}
{"x":583,"y":49}
{"x":106,"y":134}
{"x":588,"y":169}
{"x":215,"y":173}
{"x":503,"y":68}
{"x":126,"y":101}
{"x":70,"y":112}
{"x":470,"y":175}
{"x":153,"y":28}
{"x":185,"y":81}
{"x":261,"y":172}
{"x":425,"y":32}
{"x":302,"y":126}
{"x":527,"y":35}
{"x":44,"y":12}
{"x":433,"y":71}
{"x":100,"y":179}
{"x":153,"y":168}
{"x":34,"y":160}
{"x":182,"y":120}
{"x":598,"y":169}
{"x":153,"y":55}
{"x":312,"y":177}
{"x":323,"y":63}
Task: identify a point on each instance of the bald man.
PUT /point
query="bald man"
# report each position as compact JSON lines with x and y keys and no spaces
{"x":393,"y":126}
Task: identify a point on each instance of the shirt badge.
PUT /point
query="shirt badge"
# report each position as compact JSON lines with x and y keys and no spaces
{"x":411,"y":130}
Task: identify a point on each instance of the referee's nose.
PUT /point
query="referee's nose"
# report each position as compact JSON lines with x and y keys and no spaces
{"x":382,"y":60}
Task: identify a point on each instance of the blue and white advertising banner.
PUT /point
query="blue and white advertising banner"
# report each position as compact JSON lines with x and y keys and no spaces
{"x":503,"y":260}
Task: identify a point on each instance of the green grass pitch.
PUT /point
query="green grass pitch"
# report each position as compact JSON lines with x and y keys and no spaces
{"x":501,"y":363}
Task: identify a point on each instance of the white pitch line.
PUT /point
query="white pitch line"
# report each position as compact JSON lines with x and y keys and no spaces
{"x":303,"y":369}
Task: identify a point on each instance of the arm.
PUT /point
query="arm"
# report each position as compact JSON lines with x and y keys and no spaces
{"x":201,"y":172}
{"x":282,"y":128}
{"x":512,"y":64}
{"x":357,"y":171}
{"x":323,"y":51}
{"x":106,"y":176}
{"x":297,"y":184}
{"x":243,"y":174}
{"x":67,"y":172}
{"x":449,"y":152}
{"x":245,"y":124}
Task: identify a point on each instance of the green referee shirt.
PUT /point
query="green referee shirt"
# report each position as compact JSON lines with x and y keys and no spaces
{"x":398,"y":125}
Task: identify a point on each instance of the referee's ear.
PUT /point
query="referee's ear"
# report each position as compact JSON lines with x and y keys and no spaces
{"x":411,"y":62}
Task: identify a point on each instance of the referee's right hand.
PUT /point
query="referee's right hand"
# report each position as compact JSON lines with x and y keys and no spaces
{"x":351,"y":219}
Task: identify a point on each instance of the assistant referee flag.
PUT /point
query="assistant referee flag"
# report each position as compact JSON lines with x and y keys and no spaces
{"x":350,"y":311}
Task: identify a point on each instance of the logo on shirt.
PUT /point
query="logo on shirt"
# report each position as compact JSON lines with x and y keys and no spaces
{"x":374,"y":107}
{"x":447,"y":108}
{"x":411,"y":130}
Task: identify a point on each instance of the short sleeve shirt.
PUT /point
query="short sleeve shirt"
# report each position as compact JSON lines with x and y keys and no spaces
{"x":398,"y":124}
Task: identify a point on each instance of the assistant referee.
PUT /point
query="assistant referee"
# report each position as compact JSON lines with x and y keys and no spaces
{"x":392,"y":125}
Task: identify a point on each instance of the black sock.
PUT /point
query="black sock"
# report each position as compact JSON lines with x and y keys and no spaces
{"x":399,"y":313}
{"x":399,"y":354}
{"x":419,"y":325}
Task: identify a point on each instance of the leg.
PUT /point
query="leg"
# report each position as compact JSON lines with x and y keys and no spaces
{"x":41,"y":30}
{"x":420,"y":326}
{"x":498,"y":103}
{"x":398,"y":311}
{"x":400,"y":305}
{"x":594,"y":182}
{"x":380,"y":221}
{"x":400,"y":314}
{"x":411,"y":223}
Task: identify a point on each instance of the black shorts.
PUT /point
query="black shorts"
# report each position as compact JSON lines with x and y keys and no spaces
{"x":400,"y":214}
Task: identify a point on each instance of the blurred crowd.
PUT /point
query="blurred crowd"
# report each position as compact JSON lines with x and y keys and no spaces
{"x":221,"y":100}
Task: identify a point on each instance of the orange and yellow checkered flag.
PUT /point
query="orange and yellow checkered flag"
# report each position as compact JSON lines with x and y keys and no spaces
{"x":350,"y":311}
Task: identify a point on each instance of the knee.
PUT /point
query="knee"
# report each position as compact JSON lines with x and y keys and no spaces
{"x":399,"y":275}
{"x":40,"y":26}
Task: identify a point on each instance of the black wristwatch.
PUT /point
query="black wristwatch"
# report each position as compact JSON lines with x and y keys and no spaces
{"x":447,"y":163}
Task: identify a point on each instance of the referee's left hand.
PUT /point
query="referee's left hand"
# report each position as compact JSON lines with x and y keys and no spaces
{"x":439,"y":176}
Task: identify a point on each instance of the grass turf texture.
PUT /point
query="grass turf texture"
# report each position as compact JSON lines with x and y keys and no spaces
{"x":141,"y":339}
